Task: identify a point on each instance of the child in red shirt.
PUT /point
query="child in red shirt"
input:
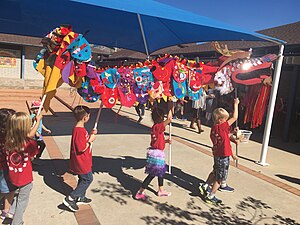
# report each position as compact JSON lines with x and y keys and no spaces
{"x":80,"y":158}
{"x":155,"y":165}
{"x":220,"y":137}
{"x":20,"y":150}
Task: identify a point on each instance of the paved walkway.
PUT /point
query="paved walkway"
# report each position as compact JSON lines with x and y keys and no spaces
{"x":264,"y":195}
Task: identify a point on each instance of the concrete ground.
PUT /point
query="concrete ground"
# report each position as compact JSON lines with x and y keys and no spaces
{"x":263,"y":195}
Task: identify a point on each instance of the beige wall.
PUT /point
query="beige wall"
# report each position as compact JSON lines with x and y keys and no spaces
{"x":6,"y":70}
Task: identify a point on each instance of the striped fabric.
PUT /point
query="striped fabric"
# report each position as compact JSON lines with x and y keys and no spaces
{"x":155,"y":164}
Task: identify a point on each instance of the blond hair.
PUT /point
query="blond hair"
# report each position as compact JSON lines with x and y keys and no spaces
{"x":220,"y":113}
{"x":18,"y":128}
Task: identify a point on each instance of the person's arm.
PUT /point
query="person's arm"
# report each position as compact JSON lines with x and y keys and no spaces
{"x":91,"y":139}
{"x":48,"y":131}
{"x":235,"y":112}
{"x":33,"y":130}
{"x":170,"y":115}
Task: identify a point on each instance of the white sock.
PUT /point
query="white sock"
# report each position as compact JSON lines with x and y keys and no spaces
{"x":211,"y":195}
{"x":223,"y":184}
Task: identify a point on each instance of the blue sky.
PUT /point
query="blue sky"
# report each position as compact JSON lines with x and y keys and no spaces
{"x":251,"y":15}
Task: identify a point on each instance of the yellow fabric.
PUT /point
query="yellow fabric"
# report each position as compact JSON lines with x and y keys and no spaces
{"x":51,"y":82}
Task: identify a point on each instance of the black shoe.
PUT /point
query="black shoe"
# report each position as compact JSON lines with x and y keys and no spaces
{"x":71,"y":204}
{"x":140,"y":119}
{"x":83,"y":201}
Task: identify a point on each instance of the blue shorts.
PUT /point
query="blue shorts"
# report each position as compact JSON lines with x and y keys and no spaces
{"x":3,"y":184}
{"x":221,"y":166}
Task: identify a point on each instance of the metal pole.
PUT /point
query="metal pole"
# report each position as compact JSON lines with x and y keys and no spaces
{"x":22,"y":63}
{"x":143,"y":34}
{"x":268,"y":125}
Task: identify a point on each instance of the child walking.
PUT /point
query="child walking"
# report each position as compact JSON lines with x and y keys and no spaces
{"x":35,"y":105}
{"x":155,"y":165}
{"x":219,"y":135}
{"x":20,"y":150}
{"x":81,"y":158}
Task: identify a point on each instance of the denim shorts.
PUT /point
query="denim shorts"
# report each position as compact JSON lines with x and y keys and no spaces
{"x":221,"y":166}
{"x":3,"y":184}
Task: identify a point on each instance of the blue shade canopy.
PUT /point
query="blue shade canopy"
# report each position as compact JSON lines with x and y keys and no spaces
{"x":143,"y":25}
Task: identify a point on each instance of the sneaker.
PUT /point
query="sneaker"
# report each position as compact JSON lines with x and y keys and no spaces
{"x":184,"y":119}
{"x":9,"y":215}
{"x":71,"y":204}
{"x":174,"y":117}
{"x":204,"y":191}
{"x":163,"y":193}
{"x":213,"y":200}
{"x":226,"y":189}
{"x":83,"y":201}
{"x":140,"y":196}
{"x":3,"y":215}
{"x":140,"y":119}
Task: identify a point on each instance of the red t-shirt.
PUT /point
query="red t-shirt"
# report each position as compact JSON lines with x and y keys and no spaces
{"x":80,"y":162}
{"x":19,"y":164}
{"x":219,"y":136}
{"x":157,"y":136}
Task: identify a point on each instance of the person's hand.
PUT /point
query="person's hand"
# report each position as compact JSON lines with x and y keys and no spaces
{"x":235,"y":157}
{"x":168,"y":141}
{"x":92,"y":138}
{"x":94,"y":131}
{"x":236,"y":101}
{"x":235,"y":130}
{"x":39,"y":117}
{"x":48,"y":131}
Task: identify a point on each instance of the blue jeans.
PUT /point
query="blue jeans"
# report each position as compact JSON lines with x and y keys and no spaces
{"x":84,"y":182}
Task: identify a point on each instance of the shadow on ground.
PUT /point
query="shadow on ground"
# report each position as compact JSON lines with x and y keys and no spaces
{"x":248,"y":211}
{"x":288,"y":178}
{"x":109,"y":123}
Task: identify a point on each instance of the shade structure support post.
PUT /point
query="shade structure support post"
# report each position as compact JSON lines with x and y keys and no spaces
{"x":143,"y":34}
{"x":267,"y":131}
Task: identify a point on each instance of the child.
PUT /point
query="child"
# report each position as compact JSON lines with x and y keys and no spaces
{"x":20,"y":150}
{"x":155,"y":165}
{"x":197,"y":107}
{"x":35,"y":105}
{"x":4,"y":187}
{"x":140,"y":110}
{"x":81,"y":158}
{"x":221,"y":150}
{"x":180,"y":108}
